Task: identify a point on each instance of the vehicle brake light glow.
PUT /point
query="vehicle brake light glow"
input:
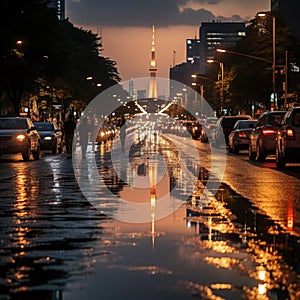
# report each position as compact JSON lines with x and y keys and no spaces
{"x":290,"y":133}
{"x":242,"y":135}
{"x":268,"y":131}
{"x":21,"y":137}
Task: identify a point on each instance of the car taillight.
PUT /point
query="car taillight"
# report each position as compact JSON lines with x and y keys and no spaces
{"x":242,"y":135}
{"x":269,"y":131}
{"x":290,"y":133}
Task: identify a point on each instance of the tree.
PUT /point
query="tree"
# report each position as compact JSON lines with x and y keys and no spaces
{"x":38,"y":48}
{"x":252,"y":78}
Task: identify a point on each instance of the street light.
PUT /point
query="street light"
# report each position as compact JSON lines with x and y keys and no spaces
{"x":264,"y":14}
{"x":254,"y":57}
{"x":243,"y":54}
{"x":210,"y":61}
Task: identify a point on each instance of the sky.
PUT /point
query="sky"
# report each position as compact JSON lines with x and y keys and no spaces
{"x":126,"y":27}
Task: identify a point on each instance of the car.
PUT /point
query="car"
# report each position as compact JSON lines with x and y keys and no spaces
{"x":18,"y":135}
{"x":239,"y":136}
{"x":288,"y":139}
{"x":207,"y":129}
{"x":263,"y":137}
{"x":196,"y":129}
{"x":51,"y":136}
{"x":223,"y":128}
{"x":105,"y":133}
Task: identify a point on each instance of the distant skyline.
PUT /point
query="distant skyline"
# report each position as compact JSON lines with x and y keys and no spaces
{"x":126,"y":27}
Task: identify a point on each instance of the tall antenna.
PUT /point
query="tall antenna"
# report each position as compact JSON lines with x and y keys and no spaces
{"x":152,"y":93}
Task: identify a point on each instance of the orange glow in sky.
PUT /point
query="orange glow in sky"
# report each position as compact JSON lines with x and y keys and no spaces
{"x":130,"y":46}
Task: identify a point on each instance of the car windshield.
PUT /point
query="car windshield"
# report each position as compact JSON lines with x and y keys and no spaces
{"x":44,"y":126}
{"x":275,"y":119}
{"x":13,"y":124}
{"x":229,"y":122}
{"x":296,"y":118}
{"x":246,"y":124}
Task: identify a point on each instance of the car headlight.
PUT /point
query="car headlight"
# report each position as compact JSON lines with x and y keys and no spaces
{"x":48,"y":138}
{"x":21,"y":137}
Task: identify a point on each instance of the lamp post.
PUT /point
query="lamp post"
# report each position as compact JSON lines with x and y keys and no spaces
{"x":210,"y":61}
{"x":252,"y":57}
{"x":264,"y":14}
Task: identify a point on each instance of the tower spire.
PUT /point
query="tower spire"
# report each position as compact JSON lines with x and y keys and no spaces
{"x":153,"y":69}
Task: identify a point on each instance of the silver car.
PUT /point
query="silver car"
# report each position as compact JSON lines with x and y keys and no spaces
{"x":18,"y":135}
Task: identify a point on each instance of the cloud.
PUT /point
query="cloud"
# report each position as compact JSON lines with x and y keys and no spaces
{"x":139,"y":13}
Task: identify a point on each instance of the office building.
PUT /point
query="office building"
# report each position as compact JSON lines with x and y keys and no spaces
{"x":215,"y":35}
{"x":59,"y":6}
{"x":192,"y":50}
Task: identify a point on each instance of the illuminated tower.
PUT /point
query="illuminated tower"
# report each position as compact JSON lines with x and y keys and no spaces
{"x":153,"y":69}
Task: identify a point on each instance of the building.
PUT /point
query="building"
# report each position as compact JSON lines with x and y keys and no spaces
{"x":192,"y":50}
{"x":289,"y":10}
{"x":215,"y":35}
{"x":59,"y":6}
{"x":183,"y":72}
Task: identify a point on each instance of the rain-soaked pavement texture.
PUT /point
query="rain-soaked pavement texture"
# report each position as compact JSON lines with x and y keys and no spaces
{"x":56,"y":245}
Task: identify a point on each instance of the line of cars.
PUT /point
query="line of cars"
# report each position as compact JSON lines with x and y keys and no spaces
{"x":21,"y":135}
{"x":273,"y":133}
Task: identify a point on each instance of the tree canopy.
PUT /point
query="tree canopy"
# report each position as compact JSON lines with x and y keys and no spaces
{"x":38,"y":51}
{"x":250,"y":79}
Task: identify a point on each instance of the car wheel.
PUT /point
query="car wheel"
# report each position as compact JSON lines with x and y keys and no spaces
{"x":26,"y":153}
{"x":260,"y":156}
{"x":235,"y":149}
{"x":54,"y":149}
{"x":280,"y":160}
{"x":37,"y":153}
{"x":251,"y":153}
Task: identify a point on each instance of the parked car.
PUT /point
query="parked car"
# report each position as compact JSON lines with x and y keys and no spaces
{"x":223,"y":128}
{"x":196,"y":130}
{"x":51,"y":136}
{"x":288,"y":139}
{"x":239,"y":136}
{"x":263,"y":138}
{"x":18,"y":135}
{"x":207,"y":129}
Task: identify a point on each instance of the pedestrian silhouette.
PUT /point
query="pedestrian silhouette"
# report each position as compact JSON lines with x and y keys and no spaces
{"x":83,"y":131}
{"x":122,"y":126}
{"x":68,"y":130}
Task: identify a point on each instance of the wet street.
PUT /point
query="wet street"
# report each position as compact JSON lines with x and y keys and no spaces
{"x":64,"y":236}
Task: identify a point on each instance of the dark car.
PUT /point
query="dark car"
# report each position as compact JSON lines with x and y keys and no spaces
{"x":239,"y":136}
{"x":223,"y":128}
{"x":207,"y":129}
{"x":288,"y":139}
{"x":196,"y":130}
{"x":51,"y":136}
{"x":18,"y":135}
{"x":263,"y":138}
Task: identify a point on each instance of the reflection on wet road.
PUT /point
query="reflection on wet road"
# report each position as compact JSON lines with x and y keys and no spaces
{"x":56,"y":245}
